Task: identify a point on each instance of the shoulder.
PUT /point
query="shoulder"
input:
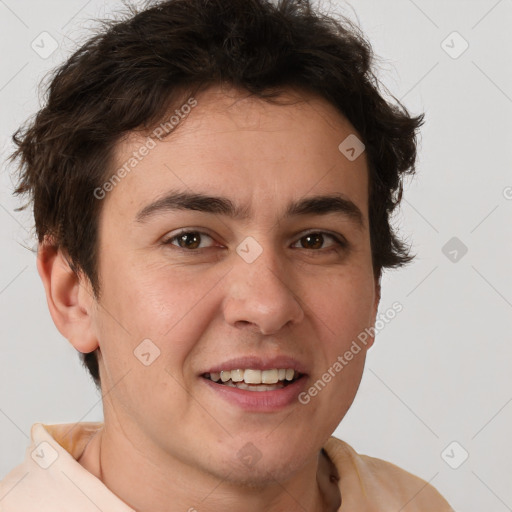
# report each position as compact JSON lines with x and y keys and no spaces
{"x":373,"y":481}
{"x":50,"y":479}
{"x":13,"y":489}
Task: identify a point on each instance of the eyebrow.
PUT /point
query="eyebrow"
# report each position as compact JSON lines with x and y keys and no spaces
{"x":315,"y":205}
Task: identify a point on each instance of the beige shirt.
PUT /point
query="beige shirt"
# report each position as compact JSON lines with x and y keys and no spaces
{"x":52,"y":480}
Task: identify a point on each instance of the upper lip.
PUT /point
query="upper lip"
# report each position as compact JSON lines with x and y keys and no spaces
{"x":257,"y":363}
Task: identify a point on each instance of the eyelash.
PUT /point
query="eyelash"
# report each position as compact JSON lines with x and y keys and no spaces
{"x":339,"y":242}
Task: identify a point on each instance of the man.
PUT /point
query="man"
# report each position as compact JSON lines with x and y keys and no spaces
{"x":212,"y":183}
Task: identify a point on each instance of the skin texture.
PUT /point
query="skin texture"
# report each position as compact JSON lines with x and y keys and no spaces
{"x":170,"y":443}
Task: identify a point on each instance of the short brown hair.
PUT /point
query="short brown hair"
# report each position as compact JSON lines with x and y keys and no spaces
{"x":135,"y":69}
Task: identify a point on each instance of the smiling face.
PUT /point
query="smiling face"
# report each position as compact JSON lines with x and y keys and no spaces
{"x":264,"y":278}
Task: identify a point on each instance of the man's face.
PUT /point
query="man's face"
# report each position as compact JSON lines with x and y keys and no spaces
{"x":251,"y":288}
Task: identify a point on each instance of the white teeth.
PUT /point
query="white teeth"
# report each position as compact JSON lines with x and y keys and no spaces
{"x":269,"y":376}
{"x":250,"y":376}
{"x":237,"y":375}
{"x":252,"y":387}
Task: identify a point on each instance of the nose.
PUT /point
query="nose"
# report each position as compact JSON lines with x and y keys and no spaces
{"x":260,"y":295}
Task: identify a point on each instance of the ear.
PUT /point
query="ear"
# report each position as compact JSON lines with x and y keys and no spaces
{"x":70,"y":302}
{"x":375,"y":308}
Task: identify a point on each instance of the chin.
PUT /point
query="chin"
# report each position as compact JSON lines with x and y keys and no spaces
{"x":261,"y":475}
{"x":252,"y":468}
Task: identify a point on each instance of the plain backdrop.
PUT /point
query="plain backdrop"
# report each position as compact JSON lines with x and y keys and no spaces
{"x":438,"y":383}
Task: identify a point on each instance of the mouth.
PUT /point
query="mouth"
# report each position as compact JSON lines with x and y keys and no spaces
{"x":255,"y":380}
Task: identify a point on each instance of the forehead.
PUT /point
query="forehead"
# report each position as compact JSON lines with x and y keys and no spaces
{"x":232,"y":144}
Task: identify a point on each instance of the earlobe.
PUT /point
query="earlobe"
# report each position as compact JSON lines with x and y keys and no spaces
{"x":69,"y":304}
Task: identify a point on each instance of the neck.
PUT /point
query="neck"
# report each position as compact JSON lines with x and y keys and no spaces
{"x":147,"y":481}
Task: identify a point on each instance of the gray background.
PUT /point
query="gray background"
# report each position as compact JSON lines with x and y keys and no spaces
{"x":440,"y":371}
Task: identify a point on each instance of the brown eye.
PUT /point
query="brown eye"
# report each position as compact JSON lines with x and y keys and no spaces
{"x":314,"y":241}
{"x":188,"y":240}
{"x":194,"y":240}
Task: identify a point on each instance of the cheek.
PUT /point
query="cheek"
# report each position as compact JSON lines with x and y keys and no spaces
{"x":345,"y":310}
{"x":166,"y":304}
{"x":345,"y":304}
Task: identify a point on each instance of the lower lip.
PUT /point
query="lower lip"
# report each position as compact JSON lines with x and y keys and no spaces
{"x":259,"y":401}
